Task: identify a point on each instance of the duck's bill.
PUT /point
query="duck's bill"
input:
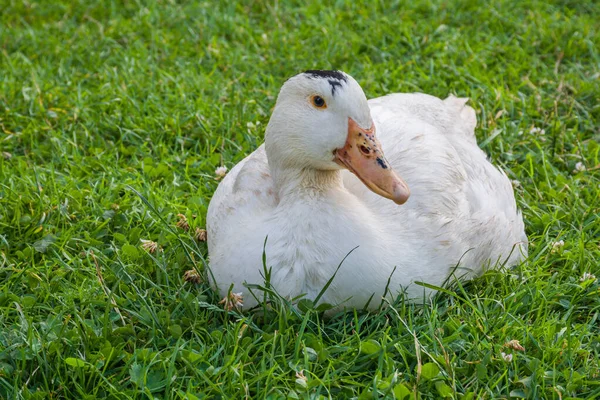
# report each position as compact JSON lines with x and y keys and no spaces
{"x":362,"y":155}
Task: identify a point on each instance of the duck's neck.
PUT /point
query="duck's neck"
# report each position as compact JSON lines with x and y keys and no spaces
{"x":292,"y":183}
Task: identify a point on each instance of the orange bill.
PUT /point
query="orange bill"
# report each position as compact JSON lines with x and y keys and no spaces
{"x":362,"y":155}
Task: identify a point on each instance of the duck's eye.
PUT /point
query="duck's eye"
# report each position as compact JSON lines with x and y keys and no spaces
{"x":318,"y":102}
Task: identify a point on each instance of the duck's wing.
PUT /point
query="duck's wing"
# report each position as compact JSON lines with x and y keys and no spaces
{"x":244,"y":194}
{"x":431,"y":143}
{"x":455,"y":190}
{"x":451,"y":154}
{"x":416,"y":132}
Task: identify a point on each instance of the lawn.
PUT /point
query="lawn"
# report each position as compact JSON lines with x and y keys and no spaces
{"x":114,"y":116}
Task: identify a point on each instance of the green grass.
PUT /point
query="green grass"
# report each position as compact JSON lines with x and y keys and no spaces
{"x":98,"y":99}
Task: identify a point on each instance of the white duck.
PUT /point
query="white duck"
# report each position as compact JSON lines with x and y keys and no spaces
{"x":320,"y":186}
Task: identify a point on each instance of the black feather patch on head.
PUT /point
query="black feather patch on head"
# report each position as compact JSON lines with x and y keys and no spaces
{"x":334,"y":78}
{"x":327,"y":74}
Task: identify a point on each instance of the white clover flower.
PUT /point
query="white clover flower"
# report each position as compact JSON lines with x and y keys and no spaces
{"x":192,"y":276}
{"x":506,"y":357}
{"x":516,"y":183}
{"x":300,"y":375}
{"x":587,"y":277}
{"x":579,"y":167}
{"x":556,"y":246}
{"x":233,"y":300}
{"x":150,"y":246}
{"x":221,"y":172}
{"x":514,"y":344}
{"x":535,"y":129}
{"x":200,"y":235}
{"x":182,"y":222}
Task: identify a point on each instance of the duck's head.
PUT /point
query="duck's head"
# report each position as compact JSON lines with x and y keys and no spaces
{"x":322,"y":121}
